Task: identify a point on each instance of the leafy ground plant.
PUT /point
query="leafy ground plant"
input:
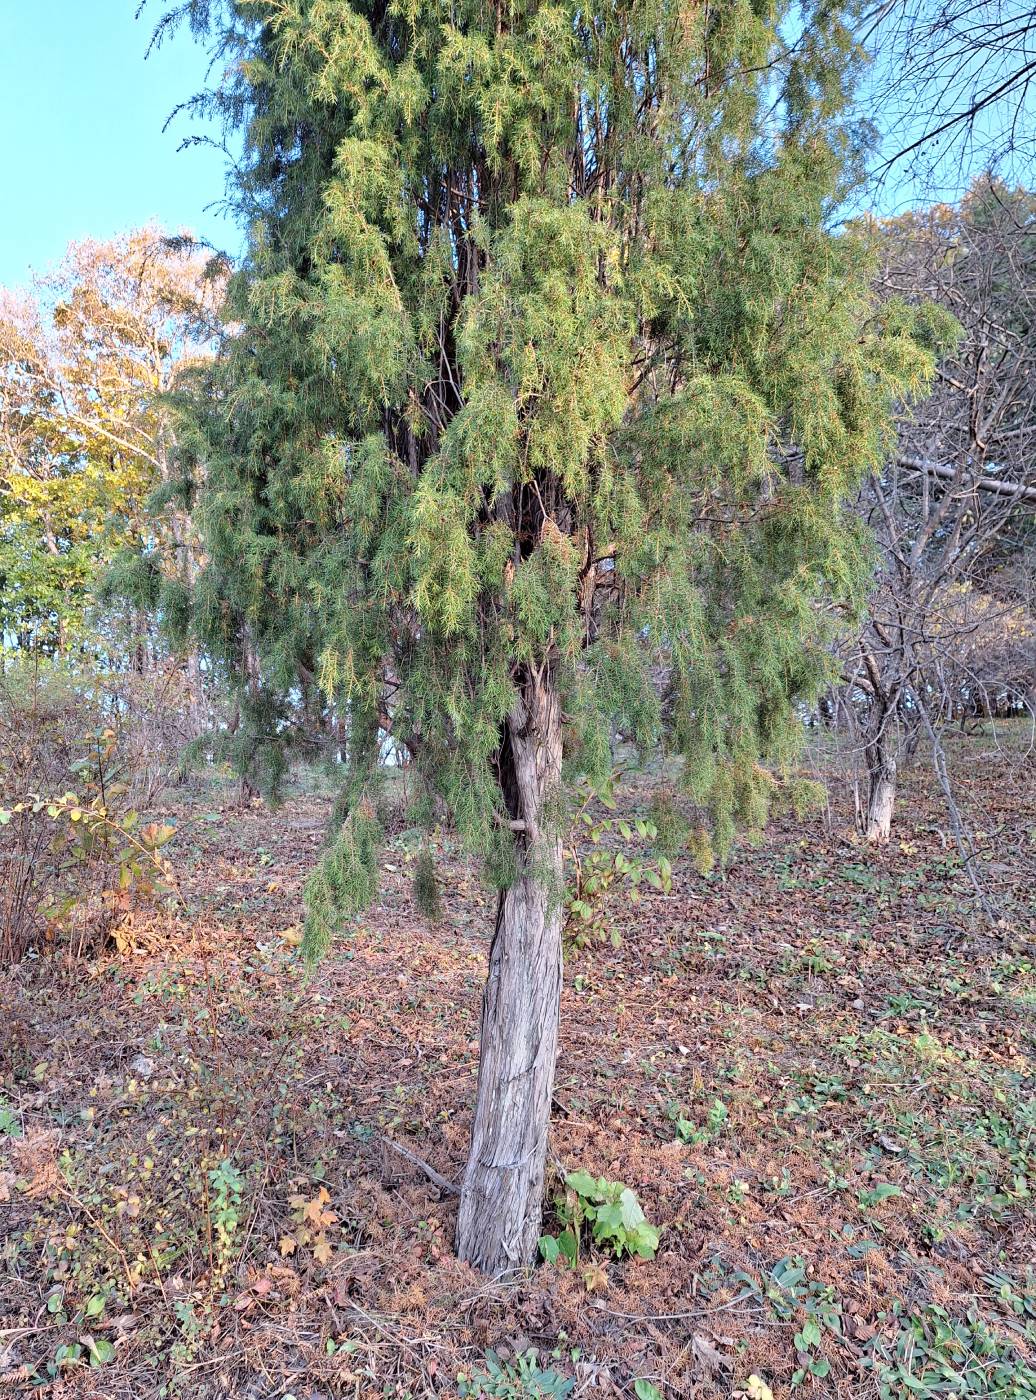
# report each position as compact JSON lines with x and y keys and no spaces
{"x":935,"y":1354}
{"x":505,"y":1380}
{"x":696,"y":1135}
{"x":613,"y":861}
{"x":612,"y":1213}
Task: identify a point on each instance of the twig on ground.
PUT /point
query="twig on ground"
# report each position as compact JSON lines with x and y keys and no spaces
{"x":416,"y":1161}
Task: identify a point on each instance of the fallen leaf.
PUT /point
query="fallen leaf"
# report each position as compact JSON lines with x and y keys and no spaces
{"x":707,"y":1354}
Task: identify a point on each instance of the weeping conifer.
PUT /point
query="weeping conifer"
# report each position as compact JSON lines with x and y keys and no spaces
{"x":545,"y":385}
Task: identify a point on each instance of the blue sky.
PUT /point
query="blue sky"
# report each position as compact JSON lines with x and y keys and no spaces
{"x":81,"y":114}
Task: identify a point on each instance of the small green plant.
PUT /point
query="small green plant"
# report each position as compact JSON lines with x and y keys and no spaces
{"x":226,"y":1185}
{"x":815,"y":958}
{"x":902,"y":1004}
{"x":794,"y":1297}
{"x":786,"y":1287}
{"x":863,"y":876}
{"x":614,"y":860}
{"x":646,"y":1390}
{"x":100,"y":1349}
{"x":1017,"y":1303}
{"x":807,"y":1340}
{"x":809,"y":1363}
{"x":9,"y":1123}
{"x":696,"y":1135}
{"x":612,"y":1213}
{"x":66,"y":1354}
{"x":817,"y":1095}
{"x":779,"y":1185}
{"x":884,"y":1191}
{"x":192,"y":1329}
{"x":518,"y":1380}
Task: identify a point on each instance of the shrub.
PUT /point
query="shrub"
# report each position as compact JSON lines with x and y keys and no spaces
{"x":612,"y":864}
{"x":74,"y":856}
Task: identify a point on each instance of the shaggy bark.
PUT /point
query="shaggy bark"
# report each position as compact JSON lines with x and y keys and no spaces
{"x":502,"y":1192}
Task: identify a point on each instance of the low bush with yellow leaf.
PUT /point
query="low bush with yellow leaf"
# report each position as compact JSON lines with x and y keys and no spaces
{"x":313,"y":1223}
{"x":75,"y":858}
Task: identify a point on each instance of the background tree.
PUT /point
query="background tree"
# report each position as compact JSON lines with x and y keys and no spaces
{"x":86,"y":358}
{"x":953,"y":82}
{"x":547,"y":384}
{"x":949,"y":627}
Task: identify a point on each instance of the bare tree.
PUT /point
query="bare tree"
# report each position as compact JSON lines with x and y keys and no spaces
{"x":949,"y":630}
{"x":953,"y":85}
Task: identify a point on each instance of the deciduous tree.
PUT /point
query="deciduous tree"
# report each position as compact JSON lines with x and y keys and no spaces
{"x":948,"y":628}
{"x":86,"y":358}
{"x":952,"y":86}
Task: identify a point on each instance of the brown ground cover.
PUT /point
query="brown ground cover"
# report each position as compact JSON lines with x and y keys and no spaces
{"x":815,"y":1073}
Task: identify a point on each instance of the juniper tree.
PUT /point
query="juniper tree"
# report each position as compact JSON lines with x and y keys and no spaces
{"x":547,"y":379}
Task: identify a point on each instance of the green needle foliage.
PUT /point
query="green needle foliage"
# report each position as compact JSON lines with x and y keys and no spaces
{"x":543,"y":354}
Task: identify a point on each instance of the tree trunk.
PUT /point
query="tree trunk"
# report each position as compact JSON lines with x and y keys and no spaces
{"x":502,"y":1192}
{"x":195,"y":691}
{"x":881,"y":766}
